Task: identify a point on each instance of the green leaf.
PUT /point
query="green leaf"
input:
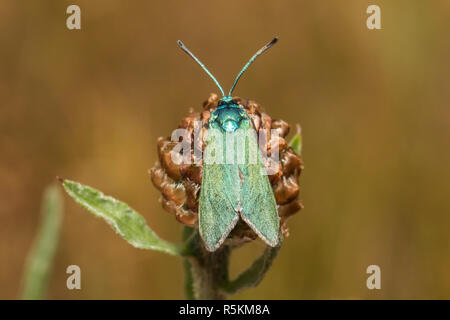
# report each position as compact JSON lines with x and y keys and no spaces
{"x":40,"y":257}
{"x":129,"y":224}
{"x":296,"y":141}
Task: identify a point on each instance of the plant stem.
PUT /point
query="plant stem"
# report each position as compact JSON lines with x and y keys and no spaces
{"x":254,"y":274}
{"x":205,"y":271}
{"x":209,"y":271}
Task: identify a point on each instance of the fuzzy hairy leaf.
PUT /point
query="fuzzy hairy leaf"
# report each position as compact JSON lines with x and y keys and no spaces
{"x":129,"y":224}
{"x":40,"y":258}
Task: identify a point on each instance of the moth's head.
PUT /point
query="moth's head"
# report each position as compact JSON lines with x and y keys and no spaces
{"x":226,"y":101}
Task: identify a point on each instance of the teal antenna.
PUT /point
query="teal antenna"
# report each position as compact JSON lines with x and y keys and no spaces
{"x":267,"y":46}
{"x":185,"y":49}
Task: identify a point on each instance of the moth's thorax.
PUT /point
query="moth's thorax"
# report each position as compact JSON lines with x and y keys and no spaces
{"x":228,"y":115}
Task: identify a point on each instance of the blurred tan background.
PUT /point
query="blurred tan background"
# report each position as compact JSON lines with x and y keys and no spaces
{"x":374,"y":107}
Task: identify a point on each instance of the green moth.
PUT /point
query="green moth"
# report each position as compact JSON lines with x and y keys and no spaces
{"x":234,"y":184}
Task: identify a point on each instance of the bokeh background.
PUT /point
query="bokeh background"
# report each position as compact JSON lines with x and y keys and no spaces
{"x":374,"y":107}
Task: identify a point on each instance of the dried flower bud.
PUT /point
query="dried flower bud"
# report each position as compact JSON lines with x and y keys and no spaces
{"x":180,"y":184}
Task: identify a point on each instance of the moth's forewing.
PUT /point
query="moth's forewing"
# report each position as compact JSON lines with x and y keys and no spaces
{"x":257,"y":206}
{"x":219,"y":193}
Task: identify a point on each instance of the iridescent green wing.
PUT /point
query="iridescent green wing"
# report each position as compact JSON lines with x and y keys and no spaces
{"x":219,"y":194}
{"x":258,"y":207}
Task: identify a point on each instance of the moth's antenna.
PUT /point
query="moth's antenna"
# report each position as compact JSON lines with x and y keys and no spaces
{"x":267,"y":46}
{"x":183,"y":47}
